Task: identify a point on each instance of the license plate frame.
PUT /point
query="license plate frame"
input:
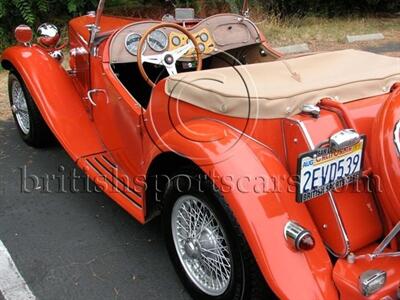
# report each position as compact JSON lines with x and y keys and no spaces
{"x":322,"y":158}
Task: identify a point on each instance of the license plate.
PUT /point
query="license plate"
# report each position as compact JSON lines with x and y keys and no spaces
{"x":323,"y":170}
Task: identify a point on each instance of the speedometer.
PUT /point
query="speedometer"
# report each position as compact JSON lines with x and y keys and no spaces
{"x":158,"y":40}
{"x":132,"y":43}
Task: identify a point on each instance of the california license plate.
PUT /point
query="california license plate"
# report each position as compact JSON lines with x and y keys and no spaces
{"x":323,"y":170}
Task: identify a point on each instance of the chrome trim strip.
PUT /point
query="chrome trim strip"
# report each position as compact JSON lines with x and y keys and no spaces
{"x":115,"y":176}
{"x":341,"y":226}
{"x":397,"y":137}
{"x":307,"y":135}
{"x":346,"y":240}
{"x":120,"y":192}
{"x":82,"y":39}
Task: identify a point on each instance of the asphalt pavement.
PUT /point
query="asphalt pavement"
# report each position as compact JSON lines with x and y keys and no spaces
{"x":75,"y":243}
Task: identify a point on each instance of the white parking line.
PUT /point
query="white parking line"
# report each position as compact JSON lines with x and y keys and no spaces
{"x":12,"y":285}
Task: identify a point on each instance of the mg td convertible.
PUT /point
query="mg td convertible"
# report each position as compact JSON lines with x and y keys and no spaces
{"x":274,"y":177}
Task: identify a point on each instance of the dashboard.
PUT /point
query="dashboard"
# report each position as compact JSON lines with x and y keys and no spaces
{"x":214,"y":34}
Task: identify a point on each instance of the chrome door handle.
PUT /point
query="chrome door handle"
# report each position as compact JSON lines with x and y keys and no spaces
{"x":94,"y":91}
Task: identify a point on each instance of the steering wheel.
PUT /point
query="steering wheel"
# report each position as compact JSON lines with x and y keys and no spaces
{"x":167,"y":59}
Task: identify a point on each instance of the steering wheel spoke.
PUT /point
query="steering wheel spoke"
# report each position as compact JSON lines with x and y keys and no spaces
{"x":181,"y":51}
{"x":171,"y":69}
{"x":156,"y":59}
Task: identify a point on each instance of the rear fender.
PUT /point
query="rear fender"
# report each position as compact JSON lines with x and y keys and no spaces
{"x":233,"y":162}
{"x":55,"y":95}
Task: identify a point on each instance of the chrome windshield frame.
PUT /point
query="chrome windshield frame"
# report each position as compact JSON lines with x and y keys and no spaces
{"x":95,"y":28}
{"x":99,"y":12}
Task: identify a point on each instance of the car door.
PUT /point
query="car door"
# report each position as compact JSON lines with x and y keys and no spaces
{"x":117,"y":118}
{"x":79,"y":63}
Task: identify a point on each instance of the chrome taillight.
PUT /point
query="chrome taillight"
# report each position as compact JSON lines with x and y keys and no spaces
{"x":372,"y":281}
{"x":298,"y":237}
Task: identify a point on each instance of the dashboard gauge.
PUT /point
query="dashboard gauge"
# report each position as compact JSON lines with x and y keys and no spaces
{"x":204,"y":37}
{"x":158,"y":40}
{"x":202,"y":48}
{"x":132,"y":43}
{"x":176,"y":41}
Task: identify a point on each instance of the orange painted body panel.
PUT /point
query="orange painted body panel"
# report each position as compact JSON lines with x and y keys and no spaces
{"x":320,"y":208}
{"x":261,"y":215}
{"x":64,"y":111}
{"x":115,"y":183}
{"x":385,"y":156}
{"x":107,"y":24}
{"x":116,"y":141}
{"x":347,"y":276}
{"x":59,"y":103}
{"x":361,"y":231}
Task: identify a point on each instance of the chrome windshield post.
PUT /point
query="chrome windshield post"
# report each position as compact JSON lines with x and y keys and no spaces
{"x":95,"y":28}
{"x":245,"y":9}
{"x":99,"y":12}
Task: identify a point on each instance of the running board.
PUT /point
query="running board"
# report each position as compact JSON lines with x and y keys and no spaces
{"x":105,"y":173}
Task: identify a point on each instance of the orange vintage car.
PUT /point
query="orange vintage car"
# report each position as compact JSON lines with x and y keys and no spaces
{"x":274,"y":177}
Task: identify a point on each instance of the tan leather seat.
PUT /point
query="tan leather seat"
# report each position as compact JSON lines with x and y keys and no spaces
{"x":280,"y":88}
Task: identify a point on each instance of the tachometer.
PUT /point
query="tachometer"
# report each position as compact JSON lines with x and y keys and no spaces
{"x":158,"y":40}
{"x":132,"y":43}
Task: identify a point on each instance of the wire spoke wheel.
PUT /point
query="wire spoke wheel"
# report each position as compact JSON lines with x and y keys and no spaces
{"x":201,"y":245}
{"x":20,"y":107}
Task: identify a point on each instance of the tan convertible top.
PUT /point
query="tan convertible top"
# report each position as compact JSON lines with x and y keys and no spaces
{"x":281,"y":88}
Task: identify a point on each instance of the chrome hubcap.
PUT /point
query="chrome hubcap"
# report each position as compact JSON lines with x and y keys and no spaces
{"x":19,"y":107}
{"x":201,"y":245}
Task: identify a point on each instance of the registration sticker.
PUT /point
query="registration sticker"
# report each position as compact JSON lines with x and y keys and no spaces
{"x":323,"y":170}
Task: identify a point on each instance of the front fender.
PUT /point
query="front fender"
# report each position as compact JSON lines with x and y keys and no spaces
{"x":55,"y":95}
{"x":236,"y":163}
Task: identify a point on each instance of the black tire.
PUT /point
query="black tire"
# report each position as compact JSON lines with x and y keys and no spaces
{"x":246,"y":280}
{"x":39,"y":135}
